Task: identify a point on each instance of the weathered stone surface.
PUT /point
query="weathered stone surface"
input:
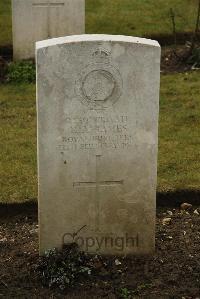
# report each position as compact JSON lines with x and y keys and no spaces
{"x":98,"y":106}
{"x":35,"y":20}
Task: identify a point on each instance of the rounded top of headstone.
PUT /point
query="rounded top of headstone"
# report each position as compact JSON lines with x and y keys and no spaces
{"x":95,"y":37}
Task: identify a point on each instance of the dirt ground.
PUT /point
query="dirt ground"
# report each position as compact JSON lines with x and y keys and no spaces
{"x":175,"y":60}
{"x":173,"y":272}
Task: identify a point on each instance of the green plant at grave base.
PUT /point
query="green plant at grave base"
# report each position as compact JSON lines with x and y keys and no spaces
{"x":124,"y":293}
{"x":63,"y":269}
{"x":21,"y":72}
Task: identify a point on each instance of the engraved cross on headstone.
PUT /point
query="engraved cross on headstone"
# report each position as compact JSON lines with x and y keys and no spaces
{"x":48,"y":5}
{"x":97,"y":184}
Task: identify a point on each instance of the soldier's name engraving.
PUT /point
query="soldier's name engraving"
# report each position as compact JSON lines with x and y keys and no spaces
{"x":97,"y":124}
{"x":95,"y":132}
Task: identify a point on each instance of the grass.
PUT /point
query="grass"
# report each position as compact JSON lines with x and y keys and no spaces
{"x":18,"y":143}
{"x":179,"y":133}
{"x":5,"y":23}
{"x":138,"y":17}
{"x":130,"y":17}
{"x":179,"y":138}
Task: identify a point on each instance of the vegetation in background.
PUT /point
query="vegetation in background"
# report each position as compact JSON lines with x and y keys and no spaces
{"x":21,"y":72}
{"x":191,"y":54}
{"x":130,"y":17}
{"x":138,"y":17}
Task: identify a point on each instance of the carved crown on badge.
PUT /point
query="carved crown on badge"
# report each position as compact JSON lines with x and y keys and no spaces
{"x":101,"y":55}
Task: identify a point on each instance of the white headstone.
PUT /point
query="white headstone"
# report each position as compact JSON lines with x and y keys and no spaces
{"x":35,"y":20}
{"x":98,"y":106}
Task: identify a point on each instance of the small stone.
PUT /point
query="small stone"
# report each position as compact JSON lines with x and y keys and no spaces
{"x":196,"y":212}
{"x":34,"y":231}
{"x":3,"y":240}
{"x":190,"y":269}
{"x":117,"y":262}
{"x":186,"y":206}
{"x":169,"y":213}
{"x":166,"y":221}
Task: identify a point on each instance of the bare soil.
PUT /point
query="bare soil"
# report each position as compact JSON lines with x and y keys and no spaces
{"x":175,"y":60}
{"x":173,"y":272}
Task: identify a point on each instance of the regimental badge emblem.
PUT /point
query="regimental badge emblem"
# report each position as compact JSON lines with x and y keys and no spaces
{"x":99,"y":84}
